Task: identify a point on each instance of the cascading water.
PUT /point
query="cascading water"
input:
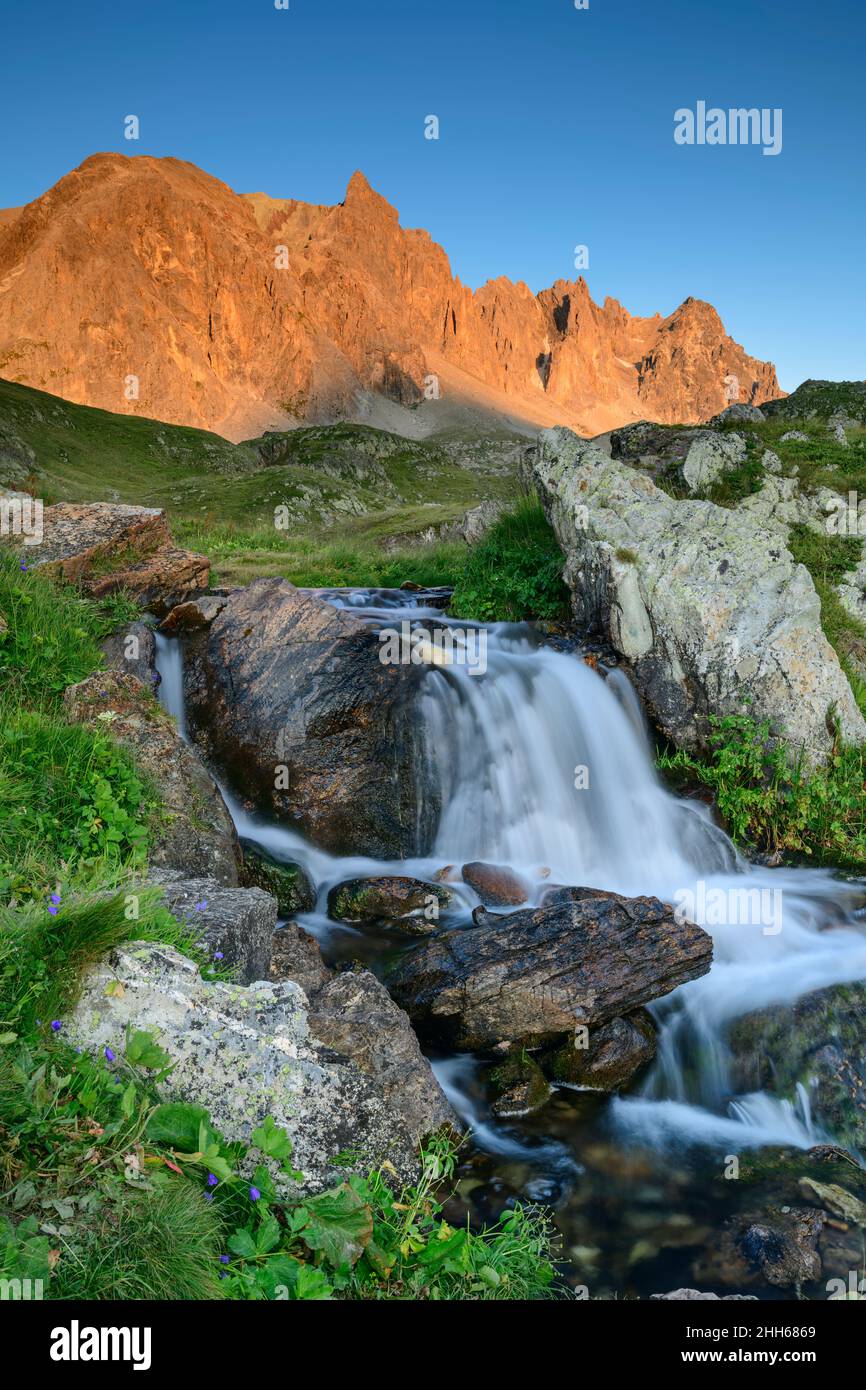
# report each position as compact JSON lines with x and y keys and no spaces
{"x":545,"y":765}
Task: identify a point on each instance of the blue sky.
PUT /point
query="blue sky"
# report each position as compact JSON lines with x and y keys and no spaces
{"x":556,"y":128}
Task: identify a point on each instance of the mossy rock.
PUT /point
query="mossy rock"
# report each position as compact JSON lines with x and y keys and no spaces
{"x":616,"y":1053}
{"x":820,"y":1043}
{"x":287,"y":882}
{"x":518,"y":1085}
{"x":408,"y":903}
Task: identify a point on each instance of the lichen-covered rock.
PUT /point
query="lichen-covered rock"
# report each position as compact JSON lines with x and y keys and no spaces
{"x":106,"y":547}
{"x":818,"y":1042}
{"x":533,"y":976}
{"x":709,"y":608}
{"x":709,"y":456}
{"x":249,"y":1052}
{"x":740,"y":410}
{"x":616,"y":1053}
{"x":234,"y":925}
{"x":409,"y":903}
{"x":194,"y":833}
{"x":289,"y":694}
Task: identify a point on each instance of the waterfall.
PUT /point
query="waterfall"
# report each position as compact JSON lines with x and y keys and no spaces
{"x":546,"y":766}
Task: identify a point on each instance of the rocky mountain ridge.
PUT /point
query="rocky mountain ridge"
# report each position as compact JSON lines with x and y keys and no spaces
{"x":146,"y":286}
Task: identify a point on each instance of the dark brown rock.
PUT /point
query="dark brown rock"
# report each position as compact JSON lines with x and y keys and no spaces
{"x":288,"y":693}
{"x":535,"y":975}
{"x":778,"y":1247}
{"x":616,"y":1053}
{"x":295,"y":955}
{"x":496,"y":884}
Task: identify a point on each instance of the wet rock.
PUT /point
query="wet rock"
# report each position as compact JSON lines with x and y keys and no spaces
{"x":409,"y":902}
{"x":132,"y":649}
{"x":234,"y":925}
{"x":711,"y":608}
{"x":495,"y":884}
{"x":289,"y":694}
{"x":295,"y":955}
{"x":816,"y":1042}
{"x":107,"y":547}
{"x":534,"y":975}
{"x":778,"y":1247}
{"x":192,"y":616}
{"x":519,"y":1085}
{"x":287,"y":882}
{"x":352,"y":1080}
{"x":617,"y":1053}
{"x":837,"y":1200}
{"x":194,"y":834}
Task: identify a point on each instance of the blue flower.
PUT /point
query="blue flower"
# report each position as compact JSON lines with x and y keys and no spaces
{"x":254,"y":1194}
{"x":56,"y":1025}
{"x":212,"y":1179}
{"x":109,"y":1055}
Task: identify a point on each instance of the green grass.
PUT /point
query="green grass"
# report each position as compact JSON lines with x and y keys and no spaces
{"x":514,"y":572}
{"x":828,"y":558}
{"x":339,"y":490}
{"x":771,"y":803}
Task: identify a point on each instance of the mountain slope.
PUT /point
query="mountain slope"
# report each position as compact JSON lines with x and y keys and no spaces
{"x":238,"y":313}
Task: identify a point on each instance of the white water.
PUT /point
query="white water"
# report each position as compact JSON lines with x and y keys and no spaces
{"x":505,"y":747}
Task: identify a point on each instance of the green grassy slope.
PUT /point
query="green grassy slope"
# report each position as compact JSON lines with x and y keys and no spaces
{"x":347,"y":496}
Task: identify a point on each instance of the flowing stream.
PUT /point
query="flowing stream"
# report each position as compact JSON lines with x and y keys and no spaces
{"x":545,"y":765}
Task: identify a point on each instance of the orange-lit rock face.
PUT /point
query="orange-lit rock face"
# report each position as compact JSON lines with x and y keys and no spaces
{"x":146,"y":286}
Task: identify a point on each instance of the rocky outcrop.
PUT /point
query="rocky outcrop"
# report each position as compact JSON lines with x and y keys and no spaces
{"x":295,"y":955}
{"x":350,"y":1078}
{"x":705,"y":604}
{"x":194,"y":832}
{"x":287,"y":311}
{"x":536,"y":975}
{"x":817,"y":1042}
{"x":106,"y":547}
{"x":132,"y":649}
{"x":289,"y":694}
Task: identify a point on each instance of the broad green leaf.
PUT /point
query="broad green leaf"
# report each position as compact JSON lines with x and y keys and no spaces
{"x":339,"y":1224}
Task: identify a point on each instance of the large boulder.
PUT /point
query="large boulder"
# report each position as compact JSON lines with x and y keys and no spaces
{"x":289,"y":694}
{"x":818,"y":1042}
{"x":705,"y":603}
{"x":536,"y":975}
{"x":350,"y":1079}
{"x":194,"y":834}
{"x":106,"y":547}
{"x":408,"y":903}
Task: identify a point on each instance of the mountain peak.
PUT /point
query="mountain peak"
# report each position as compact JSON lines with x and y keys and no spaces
{"x":233,"y":312}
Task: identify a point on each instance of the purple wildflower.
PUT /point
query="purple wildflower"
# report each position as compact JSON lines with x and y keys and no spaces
{"x":109,"y":1055}
{"x":224,"y":1259}
{"x":212,"y":1179}
{"x":218,"y":955}
{"x":56,"y":1025}
{"x":254,"y":1194}
{"x":52,"y":910}
{"x":200,"y":907}
{"x":55,"y":897}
